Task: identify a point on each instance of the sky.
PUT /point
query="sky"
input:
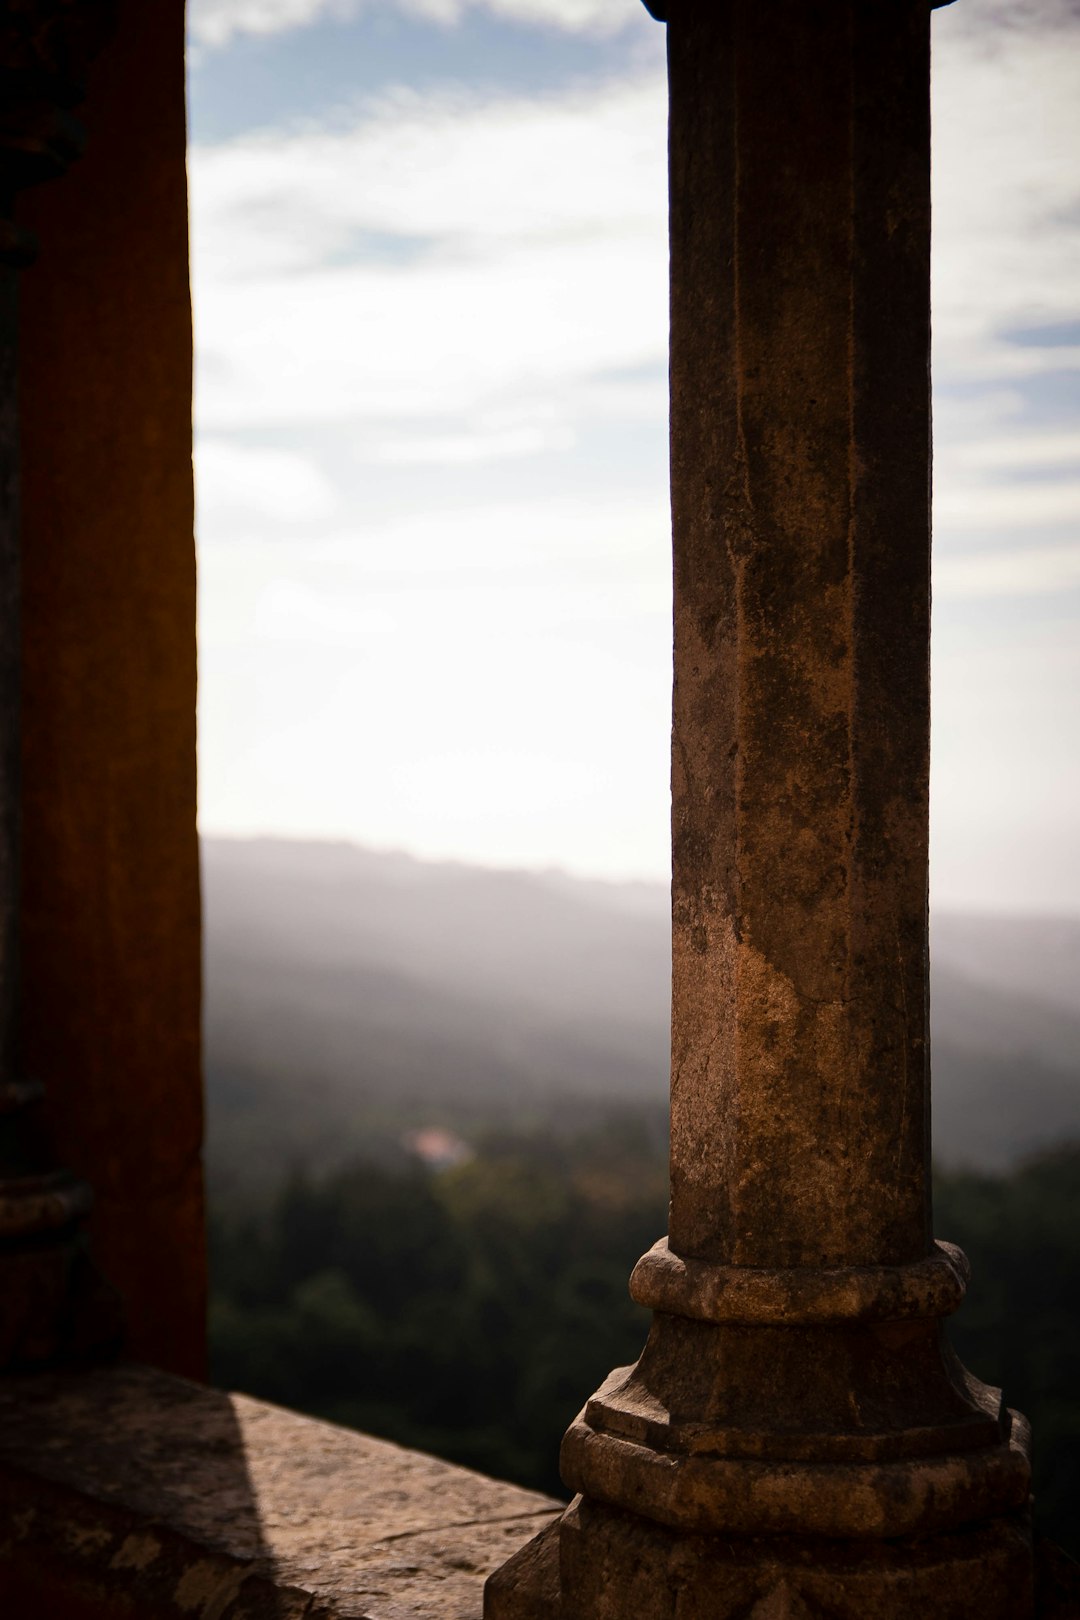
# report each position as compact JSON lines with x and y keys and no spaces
{"x":429,"y":275}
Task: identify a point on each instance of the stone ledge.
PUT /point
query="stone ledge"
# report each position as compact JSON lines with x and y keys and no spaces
{"x":125,"y":1492}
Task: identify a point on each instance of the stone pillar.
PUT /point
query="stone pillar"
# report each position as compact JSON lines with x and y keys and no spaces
{"x":111,"y":907}
{"x":52,"y":1302}
{"x":796,"y":1439}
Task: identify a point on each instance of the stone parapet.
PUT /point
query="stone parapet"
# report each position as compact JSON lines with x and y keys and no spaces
{"x":126,"y":1492}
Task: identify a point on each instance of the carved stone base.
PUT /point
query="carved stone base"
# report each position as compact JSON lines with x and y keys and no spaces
{"x":790,"y":1443}
{"x":600,"y":1563}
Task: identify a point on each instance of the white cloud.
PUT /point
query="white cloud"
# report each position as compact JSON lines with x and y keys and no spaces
{"x":995,"y":480}
{"x":1016,"y":571}
{"x":457,"y":258}
{"x":297,"y":614}
{"x":491,"y":444}
{"x":455,"y":281}
{"x":1005,"y":777}
{"x":468,"y":281}
{"x":1046,"y":452}
{"x":486,"y":684}
{"x":586,"y":16}
{"x":1020,"y":506}
{"x":1006,"y":104}
{"x":271,"y":486}
{"x":458,"y":172}
{"x":214,"y":23}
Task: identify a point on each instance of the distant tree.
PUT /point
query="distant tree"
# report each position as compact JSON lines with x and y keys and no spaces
{"x":471,"y":1313}
{"x":1019,"y":1327}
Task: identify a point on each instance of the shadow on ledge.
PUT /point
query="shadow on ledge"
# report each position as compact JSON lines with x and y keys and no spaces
{"x":126,"y":1492}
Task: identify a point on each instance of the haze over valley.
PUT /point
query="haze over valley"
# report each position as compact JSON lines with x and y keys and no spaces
{"x":354,"y":994}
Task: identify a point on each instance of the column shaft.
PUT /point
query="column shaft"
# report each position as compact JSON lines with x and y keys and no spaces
{"x":800,"y":219}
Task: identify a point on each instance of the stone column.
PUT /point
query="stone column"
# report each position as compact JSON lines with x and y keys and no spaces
{"x":111,"y":924}
{"x":796,"y":1439}
{"x":52,"y":1303}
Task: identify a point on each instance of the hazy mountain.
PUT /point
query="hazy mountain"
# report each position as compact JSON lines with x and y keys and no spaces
{"x":351,"y":992}
{"x":1005,"y":1026}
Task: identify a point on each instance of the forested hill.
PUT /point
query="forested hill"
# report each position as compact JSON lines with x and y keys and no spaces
{"x":350,"y":993}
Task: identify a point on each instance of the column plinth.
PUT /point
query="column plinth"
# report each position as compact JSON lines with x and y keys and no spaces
{"x":821,"y":1403}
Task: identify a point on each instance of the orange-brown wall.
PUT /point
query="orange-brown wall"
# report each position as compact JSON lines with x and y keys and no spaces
{"x":111,"y":933}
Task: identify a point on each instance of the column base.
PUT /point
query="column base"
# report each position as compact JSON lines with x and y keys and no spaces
{"x":601,"y":1563}
{"x":790,"y":1444}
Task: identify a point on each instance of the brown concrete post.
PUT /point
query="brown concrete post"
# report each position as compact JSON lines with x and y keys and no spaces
{"x":796,"y":1438}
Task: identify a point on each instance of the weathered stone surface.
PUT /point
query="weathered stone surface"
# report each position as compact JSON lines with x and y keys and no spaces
{"x":800,"y":444}
{"x":665,"y":1281}
{"x":905,"y":1578}
{"x":614,"y":1566}
{"x":527,"y":1586}
{"x":125,"y":1492}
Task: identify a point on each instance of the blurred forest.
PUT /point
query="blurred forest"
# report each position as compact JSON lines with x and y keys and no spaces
{"x":470,"y":1312}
